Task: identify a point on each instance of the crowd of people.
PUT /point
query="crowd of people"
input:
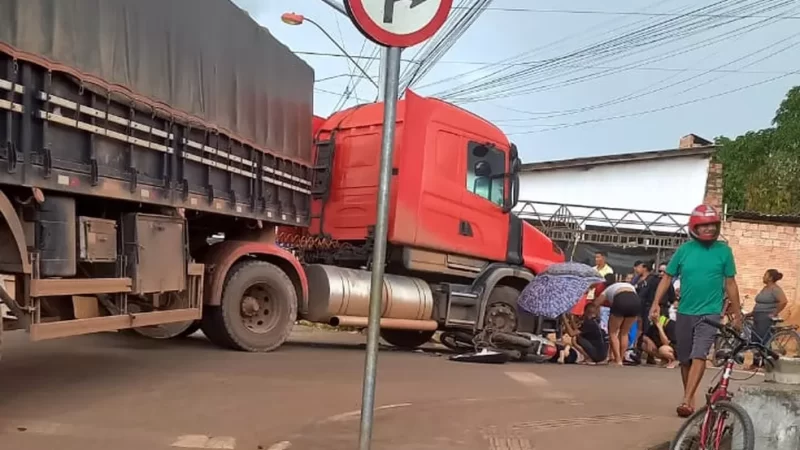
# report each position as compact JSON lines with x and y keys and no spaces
{"x":588,"y":339}
{"x":672,"y":309}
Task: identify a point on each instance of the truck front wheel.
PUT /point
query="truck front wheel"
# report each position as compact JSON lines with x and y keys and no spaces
{"x":257,"y":310}
{"x":408,"y":339}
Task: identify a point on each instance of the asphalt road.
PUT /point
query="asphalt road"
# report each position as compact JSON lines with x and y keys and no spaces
{"x":126,"y":393}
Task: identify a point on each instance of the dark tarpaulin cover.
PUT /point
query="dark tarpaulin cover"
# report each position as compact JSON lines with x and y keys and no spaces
{"x":207,"y":58}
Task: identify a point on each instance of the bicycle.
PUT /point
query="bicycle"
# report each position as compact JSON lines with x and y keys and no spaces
{"x":781,"y":339}
{"x":716,"y":431}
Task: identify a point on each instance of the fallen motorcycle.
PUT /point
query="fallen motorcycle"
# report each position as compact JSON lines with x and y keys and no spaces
{"x":495,"y":347}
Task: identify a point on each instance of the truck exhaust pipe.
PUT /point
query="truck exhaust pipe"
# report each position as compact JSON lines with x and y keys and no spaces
{"x":395,"y":324}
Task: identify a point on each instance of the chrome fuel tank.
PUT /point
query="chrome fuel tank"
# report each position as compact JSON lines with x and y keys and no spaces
{"x":335,"y":291}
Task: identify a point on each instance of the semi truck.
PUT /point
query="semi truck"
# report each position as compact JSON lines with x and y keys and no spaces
{"x":161,"y":171}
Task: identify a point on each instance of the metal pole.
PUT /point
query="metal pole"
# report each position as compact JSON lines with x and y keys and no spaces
{"x":391,"y":87}
{"x":382,"y":72}
{"x":336,"y":6}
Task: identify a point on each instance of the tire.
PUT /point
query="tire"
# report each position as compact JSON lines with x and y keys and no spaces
{"x":166,"y":331}
{"x":450,"y":339}
{"x":229,"y":326}
{"x":786,"y":343}
{"x":732,"y":409}
{"x":193,"y":328}
{"x":506,"y":295}
{"x":407,"y":339}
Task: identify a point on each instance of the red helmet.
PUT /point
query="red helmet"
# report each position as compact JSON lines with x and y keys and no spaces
{"x":704,"y":215}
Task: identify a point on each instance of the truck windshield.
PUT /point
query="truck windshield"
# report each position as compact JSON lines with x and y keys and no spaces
{"x":489,"y":183}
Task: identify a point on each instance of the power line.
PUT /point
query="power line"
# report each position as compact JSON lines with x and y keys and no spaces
{"x":651,"y":89}
{"x":594,"y":32}
{"x":629,"y":13}
{"x":663,"y":108}
{"x":525,"y":80}
{"x":572,"y":66}
{"x":433,"y":50}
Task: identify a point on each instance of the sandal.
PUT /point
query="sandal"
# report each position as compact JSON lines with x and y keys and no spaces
{"x":684,"y":410}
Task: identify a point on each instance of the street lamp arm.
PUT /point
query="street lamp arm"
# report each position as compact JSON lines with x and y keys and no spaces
{"x":344,"y":52}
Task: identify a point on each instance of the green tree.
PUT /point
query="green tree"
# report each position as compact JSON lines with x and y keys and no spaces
{"x":761,"y":169}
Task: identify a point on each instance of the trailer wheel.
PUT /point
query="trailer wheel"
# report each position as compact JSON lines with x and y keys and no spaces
{"x":193,"y":328}
{"x":167,"y":330}
{"x":257,"y":311}
{"x":408,"y":339}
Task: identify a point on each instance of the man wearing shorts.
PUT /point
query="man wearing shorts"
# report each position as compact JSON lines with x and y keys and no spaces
{"x":707,"y":271}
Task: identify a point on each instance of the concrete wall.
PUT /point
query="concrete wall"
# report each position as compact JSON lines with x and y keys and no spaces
{"x":761,"y":246}
{"x":758,"y":246}
{"x":774,"y":409}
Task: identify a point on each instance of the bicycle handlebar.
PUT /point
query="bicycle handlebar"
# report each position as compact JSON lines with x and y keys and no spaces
{"x":730,"y":331}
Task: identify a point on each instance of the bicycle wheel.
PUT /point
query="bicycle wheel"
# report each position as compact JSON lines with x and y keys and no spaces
{"x":729,"y":426}
{"x":785,"y":343}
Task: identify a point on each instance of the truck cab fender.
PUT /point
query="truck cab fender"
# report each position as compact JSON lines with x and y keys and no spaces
{"x":221,"y":257}
{"x":12,"y":237}
{"x":498,"y":274}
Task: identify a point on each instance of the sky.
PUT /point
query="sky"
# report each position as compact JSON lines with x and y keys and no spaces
{"x":711,"y":80}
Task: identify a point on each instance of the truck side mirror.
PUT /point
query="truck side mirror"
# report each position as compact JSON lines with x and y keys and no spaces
{"x":510,"y":200}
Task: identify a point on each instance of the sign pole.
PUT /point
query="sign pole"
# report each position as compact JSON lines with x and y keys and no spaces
{"x":393,"y":24}
{"x":390,"y":91}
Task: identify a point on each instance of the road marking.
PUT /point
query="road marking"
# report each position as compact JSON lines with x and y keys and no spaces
{"x":509,"y":443}
{"x":553,"y":424}
{"x":117,"y":434}
{"x":509,"y":440}
{"x":203,"y":441}
{"x":353,"y":414}
{"x":283,"y":445}
{"x":528,"y":379}
{"x":538,"y":384}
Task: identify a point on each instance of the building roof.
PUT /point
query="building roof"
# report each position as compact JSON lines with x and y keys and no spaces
{"x":761,"y":217}
{"x":593,"y":161}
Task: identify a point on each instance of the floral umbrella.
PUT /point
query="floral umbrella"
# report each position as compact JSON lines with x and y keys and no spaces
{"x":558,"y":289}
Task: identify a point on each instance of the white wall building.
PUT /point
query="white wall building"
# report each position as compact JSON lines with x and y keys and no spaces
{"x":666,"y":181}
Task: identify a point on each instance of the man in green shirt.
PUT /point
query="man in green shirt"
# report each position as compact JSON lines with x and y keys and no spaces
{"x":707,"y":271}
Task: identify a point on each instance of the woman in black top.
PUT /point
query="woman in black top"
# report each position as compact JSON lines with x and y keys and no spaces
{"x":590,"y":340}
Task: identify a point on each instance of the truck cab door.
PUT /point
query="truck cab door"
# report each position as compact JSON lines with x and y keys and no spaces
{"x":482,"y":219}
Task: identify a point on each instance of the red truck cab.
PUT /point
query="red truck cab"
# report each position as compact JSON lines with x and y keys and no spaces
{"x":454,"y":184}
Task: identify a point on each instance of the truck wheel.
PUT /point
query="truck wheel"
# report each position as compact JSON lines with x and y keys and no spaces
{"x":167,"y":330}
{"x":163,"y":331}
{"x":408,"y":339}
{"x":501,"y":310}
{"x":257,"y":311}
{"x":193,"y":328}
